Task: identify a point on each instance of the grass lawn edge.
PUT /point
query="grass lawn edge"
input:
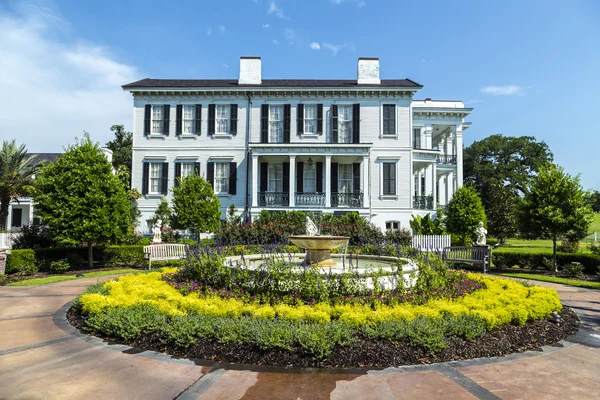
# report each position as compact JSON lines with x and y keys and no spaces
{"x":553,"y":279}
{"x":64,"y":278}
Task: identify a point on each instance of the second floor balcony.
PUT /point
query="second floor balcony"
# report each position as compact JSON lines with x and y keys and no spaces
{"x":423,"y":202}
{"x":311,"y":199}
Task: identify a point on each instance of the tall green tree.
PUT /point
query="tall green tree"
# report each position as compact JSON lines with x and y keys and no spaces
{"x":121,"y":147}
{"x":463,"y":213}
{"x":501,"y":212}
{"x":163,"y":212}
{"x":80,"y":199}
{"x":195,"y":206}
{"x":16,"y":176}
{"x":556,"y":205}
{"x":595,"y":200}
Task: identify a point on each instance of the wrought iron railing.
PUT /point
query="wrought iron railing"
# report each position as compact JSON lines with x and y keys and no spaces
{"x":352,"y":200}
{"x":423,"y":202}
{"x":312,"y":199}
{"x":274,"y":199}
{"x":446,"y":159}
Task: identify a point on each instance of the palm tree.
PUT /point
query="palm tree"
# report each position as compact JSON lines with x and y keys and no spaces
{"x":16,"y":176}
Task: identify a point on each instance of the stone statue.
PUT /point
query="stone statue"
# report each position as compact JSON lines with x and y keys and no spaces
{"x":156,"y":231}
{"x":481,"y":232}
{"x":311,"y":228}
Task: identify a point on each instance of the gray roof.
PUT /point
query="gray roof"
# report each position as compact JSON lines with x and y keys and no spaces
{"x":289,"y":83}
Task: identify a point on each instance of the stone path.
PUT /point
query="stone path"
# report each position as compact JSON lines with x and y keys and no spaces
{"x":43,"y":357}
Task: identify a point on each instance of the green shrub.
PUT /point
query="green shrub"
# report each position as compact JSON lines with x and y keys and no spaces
{"x":574,"y":269}
{"x":568,"y":246}
{"x":33,"y":237}
{"x":124,"y":255}
{"x":2,"y":278}
{"x":58,"y":267}
{"x":594,"y":248}
{"x":21,"y":261}
{"x":507,"y":258}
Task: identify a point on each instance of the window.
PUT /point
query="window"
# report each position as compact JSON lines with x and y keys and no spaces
{"x":392,"y":226}
{"x":389,"y":178}
{"x":189,"y":120}
{"x":222,"y":118}
{"x":187,"y":169}
{"x":276,"y":124}
{"x":310,"y":118}
{"x":310,"y":178}
{"x":156,"y":171}
{"x":275,"y":178}
{"x":221,"y":177}
{"x":345,"y":178}
{"x":416,"y":138}
{"x":345,"y":124}
{"x":157,"y":119}
{"x":389,"y":119}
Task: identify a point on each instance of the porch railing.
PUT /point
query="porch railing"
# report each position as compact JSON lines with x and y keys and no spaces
{"x":352,"y":200}
{"x":446,"y":159}
{"x":313,"y":199}
{"x":423,"y":202}
{"x":274,"y":199}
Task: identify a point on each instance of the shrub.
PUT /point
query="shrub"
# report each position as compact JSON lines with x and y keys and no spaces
{"x":594,"y":248}
{"x":58,"y":267}
{"x":124,"y":255}
{"x":568,"y":246}
{"x":76,"y":261}
{"x":21,"y":261}
{"x":507,"y":258}
{"x":574,"y":269}
{"x":33,"y":237}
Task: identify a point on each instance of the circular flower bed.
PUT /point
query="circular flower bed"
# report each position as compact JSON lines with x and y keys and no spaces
{"x":335,"y":322}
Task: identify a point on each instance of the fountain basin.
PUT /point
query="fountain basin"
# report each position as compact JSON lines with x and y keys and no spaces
{"x":318,"y":248}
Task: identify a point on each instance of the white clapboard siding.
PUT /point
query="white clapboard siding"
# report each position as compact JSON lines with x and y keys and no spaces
{"x":431,"y":242}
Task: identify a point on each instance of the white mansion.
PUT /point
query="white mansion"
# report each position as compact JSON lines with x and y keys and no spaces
{"x":329,"y":146}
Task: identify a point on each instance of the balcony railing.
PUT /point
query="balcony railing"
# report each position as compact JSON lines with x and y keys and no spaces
{"x":274,"y":199}
{"x":310,"y":199}
{"x":446,"y":159}
{"x":352,"y":200}
{"x":423,"y":202}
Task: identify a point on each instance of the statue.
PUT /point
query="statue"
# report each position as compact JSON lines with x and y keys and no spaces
{"x":481,"y":232}
{"x":311,"y":228}
{"x":156,"y":231}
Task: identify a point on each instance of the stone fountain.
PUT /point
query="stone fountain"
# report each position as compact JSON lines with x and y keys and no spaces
{"x":318,"y":247}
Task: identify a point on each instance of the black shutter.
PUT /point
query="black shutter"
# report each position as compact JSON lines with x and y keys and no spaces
{"x":300,"y":116}
{"x":210,"y":173}
{"x":198,"y":121}
{"x":319,"y":177}
{"x":385,"y":115}
{"x":392,"y":174}
{"x":287,"y":111}
{"x":211,"y":119}
{"x":177,"y":173}
{"x":147,"y":118}
{"x":356,"y":177}
{"x":356,"y":123}
{"x":178,"y":119}
{"x":334,"y":123}
{"x":264,"y":177}
{"x":197,"y":168}
{"x":386,"y":179}
{"x":286,"y":177}
{"x":320,"y":119}
{"x":145,"y":177}
{"x":389,"y":119}
{"x":334,"y":184}
{"x":300,"y":177}
{"x":232,"y":178}
{"x":166,"y":119}
{"x":264,"y":123}
{"x":234,"y":119}
{"x":165,"y":178}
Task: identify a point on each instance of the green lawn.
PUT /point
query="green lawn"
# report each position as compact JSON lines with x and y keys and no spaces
{"x":61,"y":278}
{"x":553,"y":279}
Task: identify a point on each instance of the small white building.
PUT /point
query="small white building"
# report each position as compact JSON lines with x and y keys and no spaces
{"x":330,"y":146}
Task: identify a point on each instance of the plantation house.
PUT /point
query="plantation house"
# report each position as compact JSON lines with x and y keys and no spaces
{"x":328,"y":146}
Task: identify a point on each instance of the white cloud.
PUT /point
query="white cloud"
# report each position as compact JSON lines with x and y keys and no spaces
{"x":275,"y":41}
{"x":266,"y":25}
{"x":334,"y":48}
{"x":222,"y":29}
{"x":276,"y":10}
{"x":359,"y":3}
{"x":315,"y":46}
{"x":289,"y":33}
{"x":209,"y":31}
{"x":53,"y":90}
{"x":508,"y":90}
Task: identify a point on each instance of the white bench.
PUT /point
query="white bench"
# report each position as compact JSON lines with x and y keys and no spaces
{"x":164,"y":252}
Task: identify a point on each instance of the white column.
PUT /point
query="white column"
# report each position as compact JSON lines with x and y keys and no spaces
{"x":442,"y":191}
{"x":427,"y":132}
{"x":254,"y":180}
{"x":9,"y":217}
{"x":365,"y":184}
{"x":449,"y":186}
{"x":30,"y":213}
{"x":327,"y":187}
{"x":292,"y":181}
{"x":419,"y":186}
{"x":433,"y":182}
{"x":428,"y":180}
{"x":459,"y":157}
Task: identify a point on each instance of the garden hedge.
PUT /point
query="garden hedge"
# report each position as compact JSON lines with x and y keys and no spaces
{"x":508,"y":259}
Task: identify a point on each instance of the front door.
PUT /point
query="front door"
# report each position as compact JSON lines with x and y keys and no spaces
{"x":17,"y":215}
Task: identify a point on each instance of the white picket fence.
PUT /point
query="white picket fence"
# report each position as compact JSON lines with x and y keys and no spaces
{"x":431,"y":242}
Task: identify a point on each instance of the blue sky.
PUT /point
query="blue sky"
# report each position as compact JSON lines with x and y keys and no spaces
{"x":526,"y":67}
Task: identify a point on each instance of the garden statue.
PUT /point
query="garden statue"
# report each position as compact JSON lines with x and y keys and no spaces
{"x":311,"y":228}
{"x":481,"y":232}
{"x":156,"y":231}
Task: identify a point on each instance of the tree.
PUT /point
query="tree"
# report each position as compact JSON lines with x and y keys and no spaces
{"x":556,"y":205}
{"x":16,"y":176}
{"x":463,"y":214}
{"x":121,"y":147}
{"x":195,"y":206}
{"x":163,"y":212}
{"x":80,"y":199}
{"x":595,"y":200}
{"x":501,"y":212}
